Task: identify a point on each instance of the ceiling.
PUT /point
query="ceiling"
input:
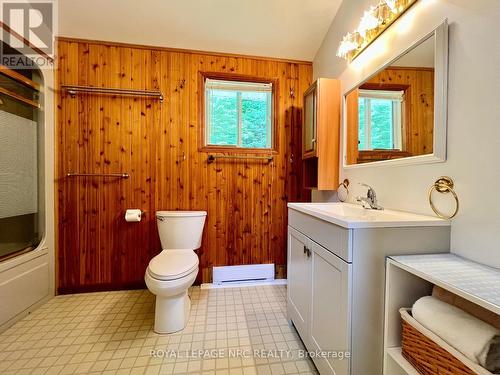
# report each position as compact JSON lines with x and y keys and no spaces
{"x":292,"y":29}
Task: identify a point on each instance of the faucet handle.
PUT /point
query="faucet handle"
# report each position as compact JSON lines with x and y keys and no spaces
{"x":371,"y":192}
{"x":371,"y":198}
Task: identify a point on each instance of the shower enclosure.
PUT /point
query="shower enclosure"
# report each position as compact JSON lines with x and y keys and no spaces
{"x":26,"y":187}
{"x":21,"y":161}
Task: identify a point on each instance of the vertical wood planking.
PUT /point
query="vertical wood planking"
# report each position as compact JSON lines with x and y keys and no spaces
{"x":245,"y":199}
{"x":81,"y":120}
{"x":114,"y":162}
{"x":126,"y":259}
{"x":420,"y":82}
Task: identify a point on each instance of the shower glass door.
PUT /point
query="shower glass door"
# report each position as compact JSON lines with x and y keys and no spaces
{"x":21,"y":160}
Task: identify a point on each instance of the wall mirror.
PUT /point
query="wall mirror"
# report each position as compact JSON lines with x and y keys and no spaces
{"x":398,"y":114}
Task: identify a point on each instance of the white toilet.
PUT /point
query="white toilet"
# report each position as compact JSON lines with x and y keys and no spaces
{"x":174,"y":270}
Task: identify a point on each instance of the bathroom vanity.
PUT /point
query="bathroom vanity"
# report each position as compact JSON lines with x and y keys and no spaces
{"x":336,"y":271}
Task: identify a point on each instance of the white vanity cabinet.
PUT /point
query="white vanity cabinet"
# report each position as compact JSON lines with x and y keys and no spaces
{"x":336,"y":281}
{"x":299,"y":287}
{"x":317,"y":291}
{"x":329,"y":298}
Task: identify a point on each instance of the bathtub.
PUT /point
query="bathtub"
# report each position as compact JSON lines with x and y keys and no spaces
{"x":25,"y":284}
{"x":27,"y":279}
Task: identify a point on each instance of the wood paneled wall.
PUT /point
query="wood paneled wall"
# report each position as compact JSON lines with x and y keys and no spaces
{"x":420,"y":98}
{"x":157,"y":144}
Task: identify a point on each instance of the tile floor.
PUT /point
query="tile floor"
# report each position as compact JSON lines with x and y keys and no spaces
{"x":230,"y":331}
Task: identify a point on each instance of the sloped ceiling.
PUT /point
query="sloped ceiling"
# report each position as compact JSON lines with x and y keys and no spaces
{"x":292,"y":29}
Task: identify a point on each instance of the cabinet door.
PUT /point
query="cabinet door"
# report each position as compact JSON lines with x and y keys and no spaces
{"x":330,"y":310}
{"x":299,"y":281}
{"x":309,"y":126}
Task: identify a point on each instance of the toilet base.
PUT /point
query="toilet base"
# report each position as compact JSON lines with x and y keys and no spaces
{"x":172,"y":313}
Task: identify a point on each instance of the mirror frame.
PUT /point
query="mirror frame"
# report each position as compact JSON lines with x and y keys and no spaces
{"x":440,"y":34}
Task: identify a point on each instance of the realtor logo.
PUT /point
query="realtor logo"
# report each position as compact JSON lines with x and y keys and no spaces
{"x":29,"y":31}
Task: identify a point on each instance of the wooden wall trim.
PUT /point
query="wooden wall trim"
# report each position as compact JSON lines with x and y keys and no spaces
{"x":180,"y":50}
{"x":384,"y":86}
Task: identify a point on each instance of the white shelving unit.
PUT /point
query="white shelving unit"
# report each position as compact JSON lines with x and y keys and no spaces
{"x":409,"y":277}
{"x":398,"y":364}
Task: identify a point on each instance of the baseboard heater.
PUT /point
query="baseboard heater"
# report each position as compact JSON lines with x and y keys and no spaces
{"x":248,"y":273}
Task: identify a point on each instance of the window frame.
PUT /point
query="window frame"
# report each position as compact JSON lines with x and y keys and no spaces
{"x":397,"y":117}
{"x":203,"y":146}
{"x":405,"y":118}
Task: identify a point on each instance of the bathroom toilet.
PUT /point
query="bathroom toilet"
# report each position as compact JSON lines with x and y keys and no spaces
{"x":174,"y":270}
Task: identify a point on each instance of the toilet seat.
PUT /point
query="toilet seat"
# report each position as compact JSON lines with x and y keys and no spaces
{"x":173,"y":264}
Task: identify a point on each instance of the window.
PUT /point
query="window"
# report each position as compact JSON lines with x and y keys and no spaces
{"x":238,"y":114}
{"x":380,"y":120}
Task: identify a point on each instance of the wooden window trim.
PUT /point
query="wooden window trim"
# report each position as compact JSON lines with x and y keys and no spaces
{"x":406,"y":110}
{"x":379,"y":155}
{"x":203,"y":147}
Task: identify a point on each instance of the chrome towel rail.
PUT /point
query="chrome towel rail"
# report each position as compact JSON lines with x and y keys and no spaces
{"x":73,"y":90}
{"x":212,"y":158}
{"x":116,"y":175}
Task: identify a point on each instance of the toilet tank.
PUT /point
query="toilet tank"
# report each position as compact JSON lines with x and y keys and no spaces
{"x":180,"y":229}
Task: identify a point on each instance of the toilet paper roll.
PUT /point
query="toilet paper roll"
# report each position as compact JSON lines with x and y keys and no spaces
{"x":133,"y":215}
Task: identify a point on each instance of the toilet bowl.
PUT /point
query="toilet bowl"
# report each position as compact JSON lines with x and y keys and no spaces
{"x":174,"y":270}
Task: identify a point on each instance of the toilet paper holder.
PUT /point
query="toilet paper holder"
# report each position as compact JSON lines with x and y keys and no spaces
{"x":139,"y":214}
{"x":142,"y":212}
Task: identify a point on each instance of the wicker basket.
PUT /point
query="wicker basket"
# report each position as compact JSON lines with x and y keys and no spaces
{"x":429,"y":357}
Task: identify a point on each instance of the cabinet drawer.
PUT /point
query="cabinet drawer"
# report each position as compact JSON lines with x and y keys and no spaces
{"x":332,"y":237}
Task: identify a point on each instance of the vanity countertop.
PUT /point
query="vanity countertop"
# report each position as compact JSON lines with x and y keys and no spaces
{"x":353,"y":216}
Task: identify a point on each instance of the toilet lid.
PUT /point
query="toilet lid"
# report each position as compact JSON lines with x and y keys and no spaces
{"x":173,"y":264}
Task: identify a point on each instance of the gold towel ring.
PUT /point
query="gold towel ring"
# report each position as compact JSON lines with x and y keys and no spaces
{"x":444,"y":185}
{"x":345,"y":185}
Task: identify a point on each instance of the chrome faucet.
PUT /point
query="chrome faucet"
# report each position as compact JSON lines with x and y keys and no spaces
{"x":370,"y":201}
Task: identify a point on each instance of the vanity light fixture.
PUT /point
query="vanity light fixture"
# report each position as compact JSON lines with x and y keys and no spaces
{"x":369,"y":21}
{"x":391,"y":4}
{"x":372,"y":24}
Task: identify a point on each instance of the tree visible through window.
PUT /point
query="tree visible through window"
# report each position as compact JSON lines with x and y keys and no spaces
{"x":238,"y":114}
{"x":380,"y":120}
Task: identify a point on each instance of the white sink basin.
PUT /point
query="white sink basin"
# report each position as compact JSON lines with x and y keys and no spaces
{"x":350,"y":215}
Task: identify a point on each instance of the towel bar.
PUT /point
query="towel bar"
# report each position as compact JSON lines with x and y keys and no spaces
{"x":73,"y":90}
{"x":212,"y":158}
{"x":119,"y":175}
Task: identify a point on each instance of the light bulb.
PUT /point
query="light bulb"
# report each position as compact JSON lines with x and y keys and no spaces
{"x":392,"y":5}
{"x":346,"y":45}
{"x":368,"y":22}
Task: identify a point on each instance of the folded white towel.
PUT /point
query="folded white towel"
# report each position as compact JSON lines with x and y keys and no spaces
{"x":466,"y":333}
